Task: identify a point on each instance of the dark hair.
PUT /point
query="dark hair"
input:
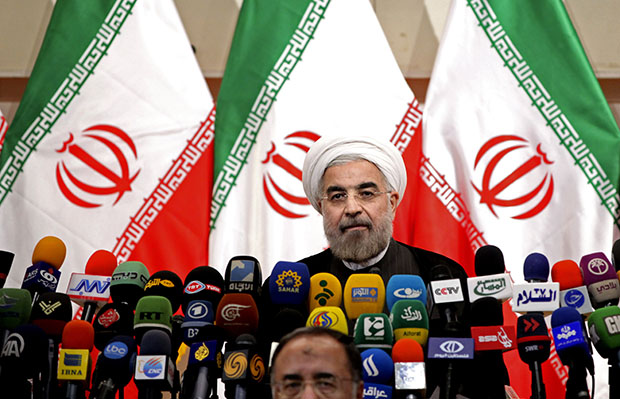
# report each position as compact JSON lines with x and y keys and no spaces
{"x":353,"y":355}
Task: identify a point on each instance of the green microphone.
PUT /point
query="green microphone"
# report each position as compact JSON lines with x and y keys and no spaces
{"x":410,"y":320}
{"x":604,"y":326}
{"x":15,"y":307}
{"x":153,"y":312}
{"x":373,"y":330}
{"x":128,"y":281}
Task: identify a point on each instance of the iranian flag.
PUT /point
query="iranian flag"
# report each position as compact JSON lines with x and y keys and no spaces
{"x":520,"y":147}
{"x":4,"y":126}
{"x":297,"y":71}
{"x":110,"y":147}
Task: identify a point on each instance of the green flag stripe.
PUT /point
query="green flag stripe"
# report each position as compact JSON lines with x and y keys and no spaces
{"x":547,"y":106}
{"x":43,"y":122}
{"x":279,"y":74}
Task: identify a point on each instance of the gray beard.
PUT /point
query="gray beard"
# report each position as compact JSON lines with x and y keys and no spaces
{"x":358,"y":246}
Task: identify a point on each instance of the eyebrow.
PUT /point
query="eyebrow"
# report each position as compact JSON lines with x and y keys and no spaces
{"x":360,"y":186}
{"x":317,"y":376}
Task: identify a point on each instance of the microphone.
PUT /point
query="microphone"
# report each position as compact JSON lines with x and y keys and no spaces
{"x":198,"y":315}
{"x":534,"y":348}
{"x":492,"y":279}
{"x":404,"y":286}
{"x":572,"y":347}
{"x":601,"y":279}
{"x":15,"y":307}
{"x":377,"y":373}
{"x":167,"y":284}
{"x":537,"y":295}
{"x":6,"y":260}
{"x":153,"y":312}
{"x":289,"y":283}
{"x":128,"y":281}
{"x":203,"y":283}
{"x":91,"y":289}
{"x":78,"y":338}
{"x":243,"y":275}
{"x":363,"y":293}
{"x":572,"y":291}
{"x":331,"y":317}
{"x":244,"y":368}
{"x":115,"y":367}
{"x":325,"y":290}
{"x":237,"y":314}
{"x":155,"y":371}
{"x":446,"y":296}
{"x":409,"y":369}
{"x":604,"y":326}
{"x":373,"y":330}
{"x":205,"y":359}
{"x":410,"y":320}
{"x":615,"y":255}
{"x":47,"y":257}
{"x":536,"y":268}
{"x":112,"y":319}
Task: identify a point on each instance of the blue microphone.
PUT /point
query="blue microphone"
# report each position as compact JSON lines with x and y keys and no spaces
{"x":289,"y":283}
{"x":404,"y":286}
{"x":536,"y":268}
{"x":115,"y":367}
{"x":377,"y":373}
{"x":41,"y":277}
{"x":198,"y":314}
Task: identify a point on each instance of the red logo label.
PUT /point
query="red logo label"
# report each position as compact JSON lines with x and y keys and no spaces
{"x":108,"y":318}
{"x":503,"y":151}
{"x":194,"y":287}
{"x":284,"y":170}
{"x":105,"y":163}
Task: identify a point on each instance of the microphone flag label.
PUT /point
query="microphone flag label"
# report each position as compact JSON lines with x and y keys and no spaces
{"x":89,"y":288}
{"x":446,"y":291}
{"x":536,"y":297}
{"x":494,"y":337}
{"x":450,"y":348}
{"x":577,"y":298}
{"x":568,"y":335}
{"x":496,"y":286}
{"x":73,"y":364}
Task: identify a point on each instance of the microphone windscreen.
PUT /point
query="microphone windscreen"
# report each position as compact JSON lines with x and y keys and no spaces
{"x":489,"y":260}
{"x":155,"y":342}
{"x":50,"y":250}
{"x":440,"y":272}
{"x":284,"y":322}
{"x":596,"y":267}
{"x":604,"y":327}
{"x":78,"y":334}
{"x":363,"y":293}
{"x":199,"y":313}
{"x":569,"y":337}
{"x":410,"y":320}
{"x":487,"y":312}
{"x":237,"y":314}
{"x":203,"y":283}
{"x":167,"y":284}
{"x":52,"y":311}
{"x":404,"y":286}
{"x":6,"y":260}
{"x":407,"y":350}
{"x":15,"y":307}
{"x":117,"y":360}
{"x":289,"y":283}
{"x":243,"y":275}
{"x":377,"y":366}
{"x":563,"y":316}
{"x":331,"y":317}
{"x":536,"y":267}
{"x":325,"y":290}
{"x":373,"y":330}
{"x":111,"y":320}
{"x":101,"y":263}
{"x":25,"y":352}
{"x":128,"y":281}
{"x":152,"y":312}
{"x":533,"y":339}
{"x":567,"y":273}
{"x":615,"y":255}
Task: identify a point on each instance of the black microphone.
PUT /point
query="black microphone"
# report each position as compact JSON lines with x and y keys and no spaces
{"x":167,"y":284}
{"x":243,"y":275}
{"x":244,"y":368}
{"x":534,"y":347}
{"x":203,"y":283}
{"x":112,"y":319}
{"x":155,"y":370}
{"x":114,"y":367}
{"x":446,"y":293}
{"x":6,"y":260}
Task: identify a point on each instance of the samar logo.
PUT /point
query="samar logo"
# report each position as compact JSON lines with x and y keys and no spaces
{"x":523,"y":165}
{"x":282,"y":177}
{"x":99,"y":166}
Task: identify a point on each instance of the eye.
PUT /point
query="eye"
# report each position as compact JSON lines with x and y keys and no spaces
{"x":291,"y":387}
{"x":337,"y":197}
{"x":366,"y":194}
{"x":326,"y":385}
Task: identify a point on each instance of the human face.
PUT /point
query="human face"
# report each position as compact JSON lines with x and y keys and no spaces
{"x":357,"y":230}
{"x":310,"y":358}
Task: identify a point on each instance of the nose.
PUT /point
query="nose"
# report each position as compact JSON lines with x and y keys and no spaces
{"x":352,"y":206}
{"x":308,"y":392}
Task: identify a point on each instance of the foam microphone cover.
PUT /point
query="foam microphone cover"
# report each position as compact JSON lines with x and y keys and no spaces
{"x":6,"y":260}
{"x":489,"y":260}
{"x":78,"y":334}
{"x":152,"y":312}
{"x":377,"y":366}
{"x":117,"y":360}
{"x":407,"y":354}
{"x":486,"y":312}
{"x":410,"y":320}
{"x":15,"y":307}
{"x":568,"y":321}
{"x":407,"y":350}
{"x":243,"y":274}
{"x":51,"y":250}
{"x":52,"y":311}
{"x":601,"y":279}
{"x":373,"y":330}
{"x":167,"y":284}
{"x":203,"y":283}
{"x":536,"y":267}
{"x":112,"y":319}
{"x":155,"y":342}
{"x":284,"y":322}
{"x":533,"y":339}
{"x":604,"y":327}
{"x":128,"y":281}
{"x":363,"y":293}
{"x":25,"y":352}
{"x":101,"y":263}
{"x":237,"y":314}
{"x":567,"y":273}
{"x":325,"y":290}
{"x":331,"y":317}
{"x":615,"y":255}
{"x":404,"y":286}
{"x":289,"y":283}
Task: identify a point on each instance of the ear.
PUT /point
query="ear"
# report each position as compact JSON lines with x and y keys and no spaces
{"x":394,"y":196}
{"x":360,"y":391}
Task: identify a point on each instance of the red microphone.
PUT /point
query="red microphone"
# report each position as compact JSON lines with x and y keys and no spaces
{"x":573,"y":292}
{"x":409,"y":368}
{"x":74,"y":361}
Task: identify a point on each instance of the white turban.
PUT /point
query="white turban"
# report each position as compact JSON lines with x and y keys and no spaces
{"x":381,"y":153}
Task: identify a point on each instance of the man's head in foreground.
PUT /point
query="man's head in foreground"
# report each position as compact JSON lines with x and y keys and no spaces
{"x":315,"y":362}
{"x":356,"y":183}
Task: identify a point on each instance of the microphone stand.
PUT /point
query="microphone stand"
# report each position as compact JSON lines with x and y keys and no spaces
{"x":538,"y":386}
{"x":614,"y":376}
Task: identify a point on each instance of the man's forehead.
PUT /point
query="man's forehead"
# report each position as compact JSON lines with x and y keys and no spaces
{"x":353,"y":173}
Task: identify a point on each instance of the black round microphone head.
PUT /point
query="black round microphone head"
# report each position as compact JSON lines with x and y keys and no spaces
{"x":25,"y":352}
{"x":487,"y":312}
{"x":52,"y":311}
{"x":203,"y":283}
{"x":112,"y":319}
{"x":615,"y":255}
{"x":245,"y":340}
{"x":489,"y":260}
{"x":533,"y":339}
{"x":167,"y":284}
{"x":155,"y":342}
{"x":284,"y":322}
{"x":440,"y":272}
{"x":243,"y":275}
{"x":6,"y":260}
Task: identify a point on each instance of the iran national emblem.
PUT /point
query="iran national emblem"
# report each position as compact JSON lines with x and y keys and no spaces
{"x":282,"y":177}
{"x":95,"y":165}
{"x":527,"y":183}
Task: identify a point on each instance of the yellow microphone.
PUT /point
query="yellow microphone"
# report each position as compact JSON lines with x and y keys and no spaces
{"x":331,"y":317}
{"x":325,"y":290}
{"x":364,"y":293}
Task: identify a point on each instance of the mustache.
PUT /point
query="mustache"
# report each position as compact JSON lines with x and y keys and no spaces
{"x":358,"y":221}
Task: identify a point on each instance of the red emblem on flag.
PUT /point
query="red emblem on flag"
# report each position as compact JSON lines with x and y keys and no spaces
{"x":105,"y":163}
{"x":284,"y":170}
{"x":517,"y":154}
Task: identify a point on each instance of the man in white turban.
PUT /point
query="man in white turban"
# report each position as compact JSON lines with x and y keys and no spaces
{"x":356,"y":183}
